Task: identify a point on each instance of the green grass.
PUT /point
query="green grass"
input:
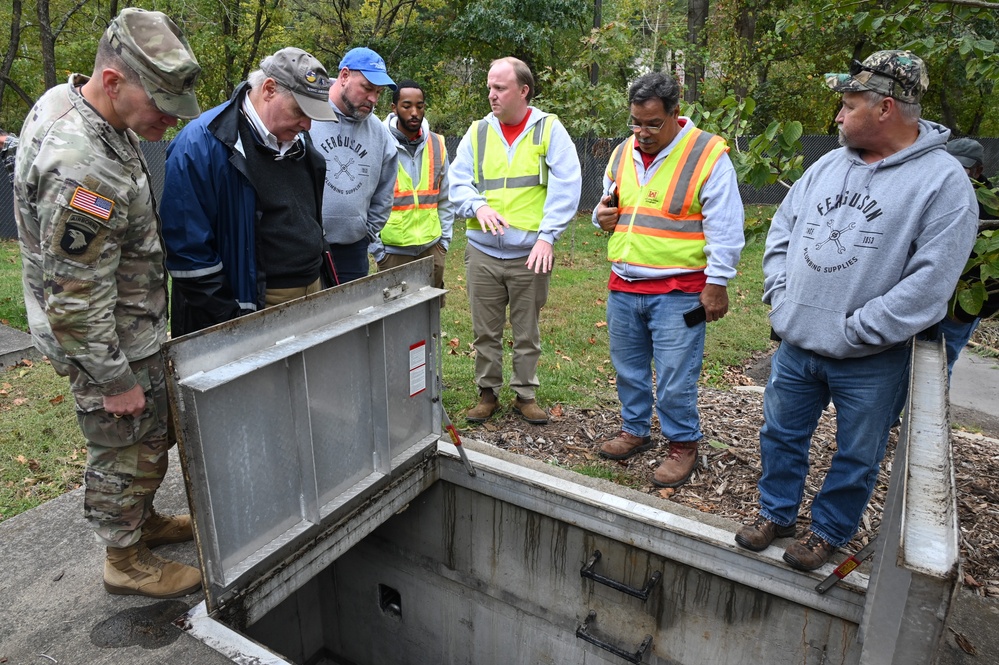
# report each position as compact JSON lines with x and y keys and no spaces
{"x":607,"y":471}
{"x":43,"y":452}
{"x":575,"y":362}
{"x":11,"y":295}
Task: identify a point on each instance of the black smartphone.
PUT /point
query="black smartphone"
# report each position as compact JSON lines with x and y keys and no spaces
{"x":695,"y":316}
{"x":613,"y":201}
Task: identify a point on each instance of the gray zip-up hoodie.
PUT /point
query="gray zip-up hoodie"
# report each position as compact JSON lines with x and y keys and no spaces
{"x":361,"y":160}
{"x":861,"y":257}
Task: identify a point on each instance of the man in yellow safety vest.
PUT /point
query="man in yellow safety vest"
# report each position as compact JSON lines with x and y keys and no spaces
{"x":671,"y":204}
{"x":516,"y":177}
{"x":422,"y":216}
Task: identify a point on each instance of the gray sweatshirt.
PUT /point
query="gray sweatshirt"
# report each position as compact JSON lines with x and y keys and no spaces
{"x":361,"y":159}
{"x":861,"y":257}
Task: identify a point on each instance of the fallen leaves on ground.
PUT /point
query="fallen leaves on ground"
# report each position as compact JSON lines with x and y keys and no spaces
{"x":725,"y":482}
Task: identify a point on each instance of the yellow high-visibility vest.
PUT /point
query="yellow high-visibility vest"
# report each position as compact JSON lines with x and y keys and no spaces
{"x":517,"y":188}
{"x":660,"y":224}
{"x":414,"y":220}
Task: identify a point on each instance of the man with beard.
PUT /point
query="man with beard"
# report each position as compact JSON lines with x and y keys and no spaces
{"x":422,"y":216}
{"x":862,"y":255}
{"x":361,"y":158}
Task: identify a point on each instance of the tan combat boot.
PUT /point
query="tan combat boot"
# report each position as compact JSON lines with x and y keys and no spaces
{"x":487,"y":406}
{"x":166,"y":529}
{"x":135,"y":571}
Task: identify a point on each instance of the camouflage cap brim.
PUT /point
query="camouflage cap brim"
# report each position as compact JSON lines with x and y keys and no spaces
{"x":897,"y":74}
{"x":184,"y":105}
{"x":844,"y":83}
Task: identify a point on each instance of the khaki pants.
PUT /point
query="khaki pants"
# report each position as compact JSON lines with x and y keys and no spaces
{"x":277,"y":296}
{"x":493,"y":284}
{"x":438,"y":254}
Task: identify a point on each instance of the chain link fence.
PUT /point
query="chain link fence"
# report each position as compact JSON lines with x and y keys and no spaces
{"x":593,"y":156}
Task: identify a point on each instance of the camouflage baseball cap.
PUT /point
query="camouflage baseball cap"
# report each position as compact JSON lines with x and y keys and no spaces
{"x":152,"y":45}
{"x":898,"y":74}
{"x":306,"y":77}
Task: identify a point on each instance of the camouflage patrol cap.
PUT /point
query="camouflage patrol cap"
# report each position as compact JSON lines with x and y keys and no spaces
{"x":152,"y":45}
{"x":306,"y":77}
{"x":898,"y":74}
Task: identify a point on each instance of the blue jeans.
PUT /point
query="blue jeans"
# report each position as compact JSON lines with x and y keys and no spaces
{"x":868,"y":393}
{"x":650,"y":328}
{"x":956,"y":336}
{"x":350,"y":262}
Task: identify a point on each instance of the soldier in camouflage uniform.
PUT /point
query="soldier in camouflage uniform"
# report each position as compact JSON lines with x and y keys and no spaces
{"x":94,"y":280}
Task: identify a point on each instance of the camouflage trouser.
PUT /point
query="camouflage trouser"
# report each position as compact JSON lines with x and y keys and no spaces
{"x":126,"y":460}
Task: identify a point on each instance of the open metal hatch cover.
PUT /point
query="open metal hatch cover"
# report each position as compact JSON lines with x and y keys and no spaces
{"x":292,"y":417}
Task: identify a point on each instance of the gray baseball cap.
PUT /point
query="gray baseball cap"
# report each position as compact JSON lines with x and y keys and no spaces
{"x":153,"y":46}
{"x":898,"y":74}
{"x":967,"y":151}
{"x":306,"y":77}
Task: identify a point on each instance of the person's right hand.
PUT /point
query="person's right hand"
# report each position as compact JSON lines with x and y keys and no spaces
{"x":129,"y":403}
{"x":491,"y":221}
{"x":607,"y":216}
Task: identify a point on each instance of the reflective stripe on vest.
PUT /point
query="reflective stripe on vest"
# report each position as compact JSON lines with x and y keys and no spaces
{"x":515,"y":188}
{"x":414,"y":220}
{"x":660,"y":224}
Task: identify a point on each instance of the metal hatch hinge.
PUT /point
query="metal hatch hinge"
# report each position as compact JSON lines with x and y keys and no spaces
{"x":393,"y":292}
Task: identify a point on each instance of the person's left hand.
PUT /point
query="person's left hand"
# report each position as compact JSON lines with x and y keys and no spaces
{"x":542,"y":257}
{"x":714,"y":297}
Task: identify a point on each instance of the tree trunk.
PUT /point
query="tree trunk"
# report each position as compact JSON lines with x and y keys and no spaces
{"x":47,"y":43}
{"x":697,"y":37}
{"x":745,"y":30}
{"x":15,"y":40}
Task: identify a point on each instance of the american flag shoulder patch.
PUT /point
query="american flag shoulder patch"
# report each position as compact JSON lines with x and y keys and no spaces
{"x":91,"y":203}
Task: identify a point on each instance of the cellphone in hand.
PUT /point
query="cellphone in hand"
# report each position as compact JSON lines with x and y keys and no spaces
{"x":695,"y":316}
{"x":612,"y":202}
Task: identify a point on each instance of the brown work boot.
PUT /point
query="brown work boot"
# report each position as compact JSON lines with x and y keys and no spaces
{"x":530,"y":411}
{"x":758,"y":535}
{"x":624,"y":444}
{"x":487,"y":406}
{"x":808,"y":553}
{"x":680,"y":462}
{"x":135,"y":571}
{"x":166,"y":529}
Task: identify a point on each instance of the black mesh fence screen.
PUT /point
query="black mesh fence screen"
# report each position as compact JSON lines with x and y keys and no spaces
{"x":593,"y":156}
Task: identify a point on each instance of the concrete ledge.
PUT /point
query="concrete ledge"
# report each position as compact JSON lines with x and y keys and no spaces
{"x":15,"y":346}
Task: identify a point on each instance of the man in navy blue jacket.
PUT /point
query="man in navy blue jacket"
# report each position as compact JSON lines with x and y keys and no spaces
{"x":243,"y":195}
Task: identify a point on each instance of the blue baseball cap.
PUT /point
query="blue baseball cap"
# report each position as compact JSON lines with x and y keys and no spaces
{"x":370,"y":64}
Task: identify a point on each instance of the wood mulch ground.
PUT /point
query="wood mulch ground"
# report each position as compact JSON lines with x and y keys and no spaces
{"x":725,"y":482}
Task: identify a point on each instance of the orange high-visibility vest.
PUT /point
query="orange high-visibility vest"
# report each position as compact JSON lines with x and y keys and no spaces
{"x":660,"y":224}
{"x":414,"y":220}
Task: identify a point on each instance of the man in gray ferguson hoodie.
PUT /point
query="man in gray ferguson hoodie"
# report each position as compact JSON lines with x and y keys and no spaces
{"x":863,"y":254}
{"x":361,"y":160}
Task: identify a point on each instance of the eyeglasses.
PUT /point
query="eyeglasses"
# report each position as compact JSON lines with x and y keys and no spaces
{"x":856,"y":67}
{"x":651,"y":129}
